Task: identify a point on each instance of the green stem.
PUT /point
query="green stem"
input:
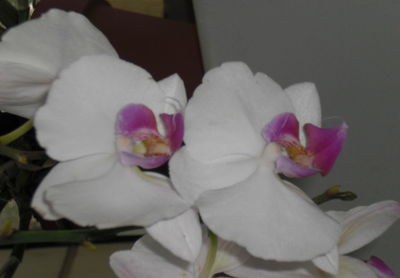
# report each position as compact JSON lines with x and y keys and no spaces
{"x":65,"y":236}
{"x":17,"y":133}
{"x":21,"y":156}
{"x":211,"y":255}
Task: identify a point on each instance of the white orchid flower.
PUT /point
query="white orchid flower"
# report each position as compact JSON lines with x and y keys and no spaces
{"x":241,"y":131}
{"x":148,"y":259}
{"x":217,"y":258}
{"x":103,"y":119}
{"x":105,"y":144}
{"x":32,"y":55}
{"x":360,"y":226}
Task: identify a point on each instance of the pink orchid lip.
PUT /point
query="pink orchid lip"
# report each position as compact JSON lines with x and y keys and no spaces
{"x":320,"y":154}
{"x":139,"y":141}
{"x":381,"y":268}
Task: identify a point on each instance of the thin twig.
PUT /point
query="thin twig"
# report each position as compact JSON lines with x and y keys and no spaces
{"x":68,"y":261}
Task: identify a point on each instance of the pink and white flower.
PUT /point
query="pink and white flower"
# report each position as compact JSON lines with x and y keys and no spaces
{"x":103,"y":119}
{"x":32,"y":55}
{"x":228,"y":170}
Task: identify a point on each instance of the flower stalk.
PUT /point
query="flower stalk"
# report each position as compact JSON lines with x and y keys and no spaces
{"x":212,"y":253}
{"x":66,"y":236}
{"x":17,"y":133}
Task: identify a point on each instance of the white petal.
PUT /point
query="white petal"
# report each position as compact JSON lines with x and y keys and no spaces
{"x":181,"y":235}
{"x":148,"y":259}
{"x":22,"y":88}
{"x":229,"y":256}
{"x":340,"y":216}
{"x":79,"y":116}
{"x":354,"y":268}
{"x":35,"y":51}
{"x":175,"y":93}
{"x":305,"y":99}
{"x":81,"y":169}
{"x":119,"y":197}
{"x":329,"y":262}
{"x":228,"y":110}
{"x":257,"y":268}
{"x":307,"y":107}
{"x":191,"y":177}
{"x":362,"y":225}
{"x":274,"y":221}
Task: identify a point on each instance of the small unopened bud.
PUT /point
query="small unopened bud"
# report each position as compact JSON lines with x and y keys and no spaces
{"x":23,"y":159}
{"x":333,"y":190}
{"x":89,"y":245}
{"x":7,"y":228}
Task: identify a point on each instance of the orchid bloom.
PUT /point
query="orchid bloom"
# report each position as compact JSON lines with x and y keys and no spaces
{"x":360,"y":226}
{"x":239,"y":127}
{"x":32,"y":55}
{"x":217,"y":258}
{"x":148,"y":259}
{"x":103,"y":119}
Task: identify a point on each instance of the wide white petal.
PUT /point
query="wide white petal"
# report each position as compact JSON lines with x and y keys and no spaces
{"x":271,"y":220}
{"x":328,"y":262}
{"x":175,"y":93}
{"x":228,"y":110}
{"x":22,"y":88}
{"x":307,"y":107}
{"x":33,"y":53}
{"x":362,"y":225}
{"x":148,"y":259}
{"x":258,"y":268}
{"x":65,"y":172}
{"x":354,"y":268}
{"x":182,"y":235}
{"x":119,"y":197}
{"x":305,"y":99}
{"x":79,"y":116}
{"x":191,"y":177}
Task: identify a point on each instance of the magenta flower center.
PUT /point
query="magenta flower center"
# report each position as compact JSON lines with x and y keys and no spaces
{"x":300,"y":155}
{"x":139,"y":141}
{"x":318,"y":156}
